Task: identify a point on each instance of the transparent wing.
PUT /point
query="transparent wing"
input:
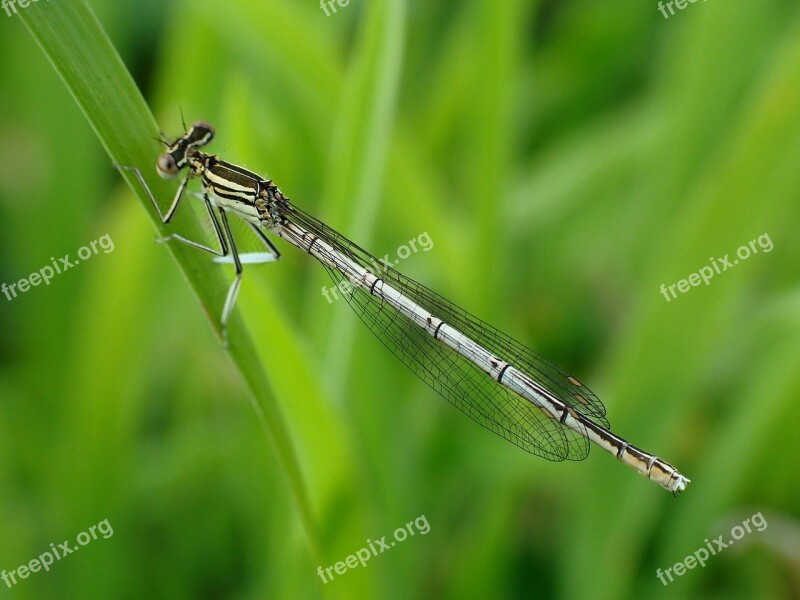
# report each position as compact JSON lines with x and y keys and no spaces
{"x":461,"y":382}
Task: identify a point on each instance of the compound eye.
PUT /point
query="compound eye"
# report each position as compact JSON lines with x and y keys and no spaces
{"x":166,"y":166}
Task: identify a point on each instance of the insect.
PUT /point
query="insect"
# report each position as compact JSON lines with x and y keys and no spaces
{"x":495,"y":380}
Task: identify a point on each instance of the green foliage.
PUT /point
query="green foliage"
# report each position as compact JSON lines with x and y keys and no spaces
{"x":566,"y":159}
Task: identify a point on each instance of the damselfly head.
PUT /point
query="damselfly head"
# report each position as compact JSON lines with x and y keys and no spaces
{"x":179,"y":152}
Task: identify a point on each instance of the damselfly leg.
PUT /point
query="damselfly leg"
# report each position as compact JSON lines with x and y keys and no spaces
{"x":227,"y":253}
{"x":173,"y":208}
{"x":233,"y":290}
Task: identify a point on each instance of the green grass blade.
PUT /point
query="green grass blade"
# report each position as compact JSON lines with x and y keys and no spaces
{"x":362,"y":143}
{"x":82,"y":54}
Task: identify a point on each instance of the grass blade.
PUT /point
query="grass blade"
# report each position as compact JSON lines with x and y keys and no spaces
{"x":82,"y":54}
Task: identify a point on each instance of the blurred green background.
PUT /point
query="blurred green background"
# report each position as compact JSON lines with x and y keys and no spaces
{"x":566,"y":158}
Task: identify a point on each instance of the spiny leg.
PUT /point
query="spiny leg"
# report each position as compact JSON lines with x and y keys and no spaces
{"x":228,"y":246}
{"x":254,"y":258}
{"x":222,"y":252}
{"x":165,"y":218}
{"x":233,"y":291}
{"x":266,"y":240}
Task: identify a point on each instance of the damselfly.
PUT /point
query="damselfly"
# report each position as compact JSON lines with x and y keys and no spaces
{"x":492,"y":378}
